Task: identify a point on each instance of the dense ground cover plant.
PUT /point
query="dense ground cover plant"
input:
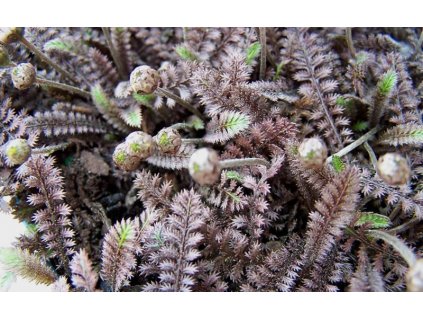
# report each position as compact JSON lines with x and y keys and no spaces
{"x":213,"y":159}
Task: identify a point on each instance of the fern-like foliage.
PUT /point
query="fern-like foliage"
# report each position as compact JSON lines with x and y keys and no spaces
{"x":175,"y":260}
{"x":53,"y":221}
{"x":154,"y":192}
{"x":108,"y":108}
{"x":407,"y":134}
{"x":314,"y":68}
{"x":56,"y":123}
{"x":121,"y":244}
{"x":83,"y":274}
{"x":176,"y":161}
{"x":27,"y":265}
{"x":225,"y":126}
{"x":366,"y":278}
{"x":333,"y":213}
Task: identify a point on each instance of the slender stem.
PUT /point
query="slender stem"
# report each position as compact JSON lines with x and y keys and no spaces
{"x":181,"y":126}
{"x":185,"y":34}
{"x":355,"y":144}
{"x":45,"y":58}
{"x":166,"y":93}
{"x":50,"y":149}
{"x":123,"y":72}
{"x":193,"y":140}
{"x":65,"y":87}
{"x":263,"y":53}
{"x":405,"y":226}
{"x":397,"y":244}
{"x":348,"y":34}
{"x":371,"y":153}
{"x":234,"y":163}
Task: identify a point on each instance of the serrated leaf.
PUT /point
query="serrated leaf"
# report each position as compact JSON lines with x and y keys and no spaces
{"x":59,"y":45}
{"x":376,"y":221}
{"x":132,"y":116}
{"x":278,"y":71}
{"x":100,"y":98}
{"x":225,"y":126}
{"x":233,"y":175}
{"x":146,"y":99}
{"x":185,"y":53}
{"x":338,"y":164}
{"x":196,"y":123}
{"x":406,"y":134}
{"x":387,"y":82}
{"x":252,"y":52}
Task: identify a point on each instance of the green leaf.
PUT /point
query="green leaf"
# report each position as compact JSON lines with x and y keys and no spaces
{"x":233,"y":196}
{"x":252,"y":52}
{"x":145,"y":100}
{"x":387,"y":82}
{"x":226,"y":126}
{"x":6,"y":280}
{"x":185,"y":53}
{"x":278,"y":71}
{"x":59,"y":45}
{"x":338,"y":164}
{"x":360,"y":126}
{"x":196,"y":122}
{"x":100,"y":98}
{"x":376,"y":221}
{"x":233,"y":175}
{"x":125,"y":233}
{"x":132,"y":116}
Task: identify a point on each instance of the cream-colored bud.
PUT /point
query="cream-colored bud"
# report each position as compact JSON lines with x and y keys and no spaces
{"x":312,"y":153}
{"x":204,"y":166}
{"x":144,"y":79}
{"x":139,"y":144}
{"x":17,"y":151}
{"x":393,"y":169}
{"x":23,"y":76}
{"x":168,"y":140}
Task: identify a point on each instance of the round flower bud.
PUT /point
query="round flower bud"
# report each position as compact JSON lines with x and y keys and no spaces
{"x":312,"y":153}
{"x":168,"y":140}
{"x":4,"y":56}
{"x":139,"y":144}
{"x":204,"y":166}
{"x":23,"y":76}
{"x":393,"y":169}
{"x":10,"y":35}
{"x":17,"y":151}
{"x":144,"y":79}
{"x":123,"y":160}
{"x":414,"y":277}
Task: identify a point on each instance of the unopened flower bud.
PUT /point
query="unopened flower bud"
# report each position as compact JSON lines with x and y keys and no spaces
{"x":393,"y":169}
{"x":23,"y":76}
{"x":312,"y":153}
{"x":139,"y":144}
{"x":168,"y":140}
{"x":414,"y":277}
{"x":204,"y":166}
{"x":17,"y":151}
{"x":144,"y":79}
{"x":123,"y":160}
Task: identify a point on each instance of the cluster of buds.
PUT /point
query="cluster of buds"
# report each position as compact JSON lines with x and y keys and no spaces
{"x":393,"y":169}
{"x":136,"y":147}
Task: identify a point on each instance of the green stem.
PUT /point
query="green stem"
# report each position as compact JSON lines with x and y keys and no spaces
{"x":355,"y":144}
{"x":235,"y":163}
{"x":50,"y":149}
{"x":65,"y":87}
{"x":166,"y":93}
{"x":397,"y":244}
{"x":123,"y":72}
{"x":45,"y":58}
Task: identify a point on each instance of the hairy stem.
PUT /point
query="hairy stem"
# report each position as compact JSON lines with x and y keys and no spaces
{"x":50,"y":149}
{"x":397,"y":244}
{"x":263,"y":52}
{"x":166,"y":93}
{"x":65,"y":87}
{"x":45,"y":58}
{"x":355,"y":144}
{"x":123,"y":72}
{"x":348,"y":34}
{"x":234,"y":163}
